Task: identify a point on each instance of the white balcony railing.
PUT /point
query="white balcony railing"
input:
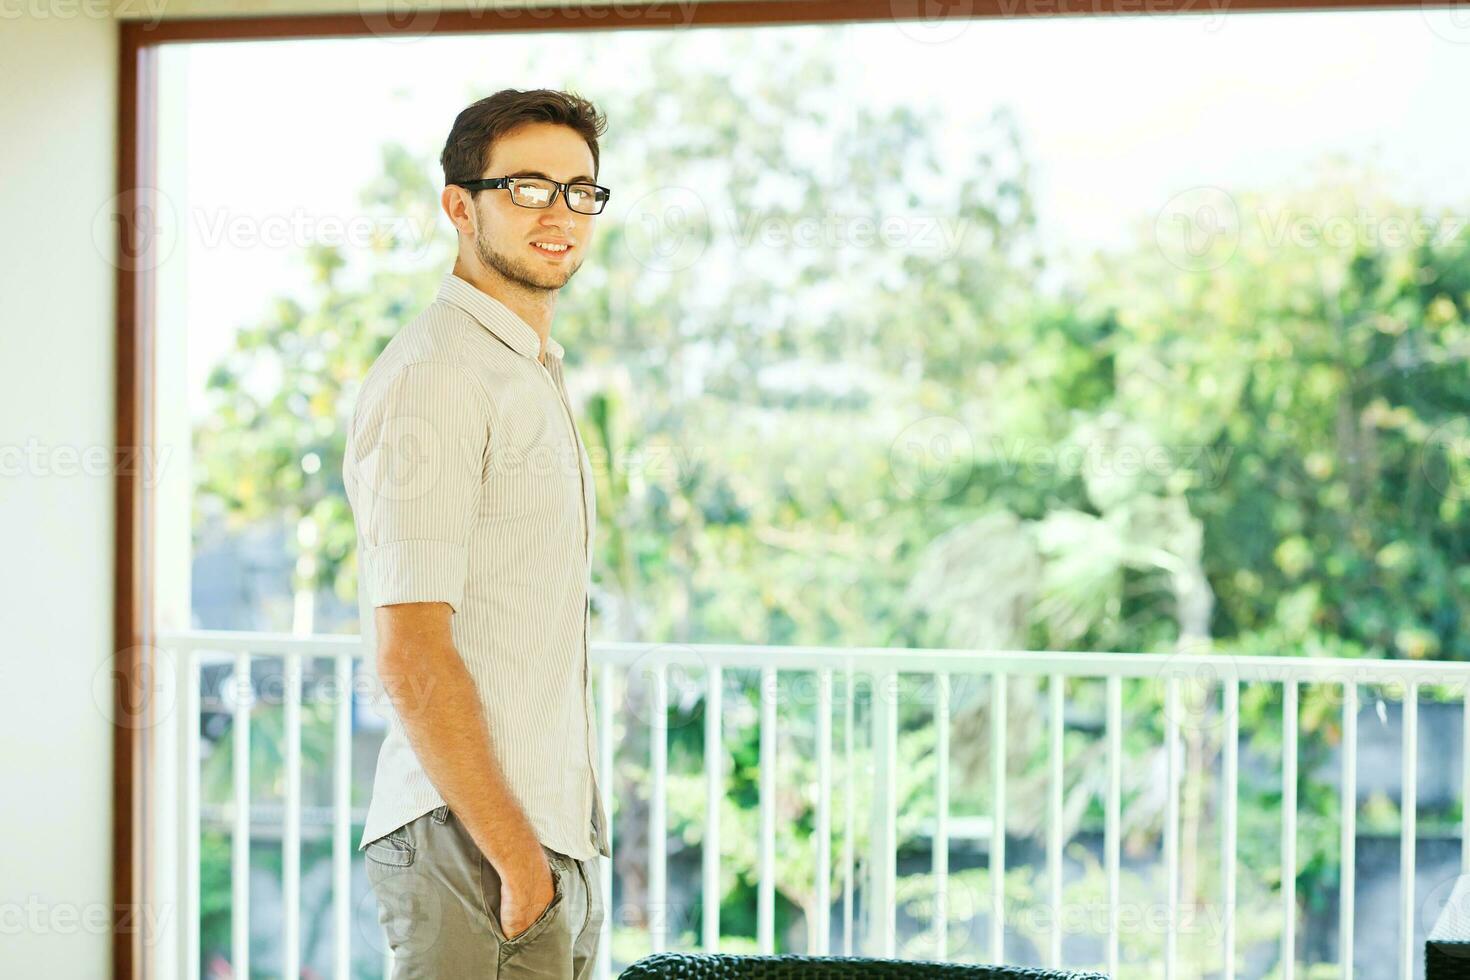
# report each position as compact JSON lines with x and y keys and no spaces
{"x":188,"y":652}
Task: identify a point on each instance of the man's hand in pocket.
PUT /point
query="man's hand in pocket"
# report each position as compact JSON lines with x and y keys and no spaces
{"x":523,"y":901}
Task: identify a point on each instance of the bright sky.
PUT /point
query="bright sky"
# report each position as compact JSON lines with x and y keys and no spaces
{"x":1118,"y":115}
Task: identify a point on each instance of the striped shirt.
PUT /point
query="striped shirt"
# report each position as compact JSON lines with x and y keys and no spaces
{"x":470,"y":485}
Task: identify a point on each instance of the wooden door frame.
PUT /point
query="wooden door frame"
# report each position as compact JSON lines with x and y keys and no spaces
{"x":136,"y":295}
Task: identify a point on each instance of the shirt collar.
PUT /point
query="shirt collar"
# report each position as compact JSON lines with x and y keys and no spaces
{"x":496,"y":317}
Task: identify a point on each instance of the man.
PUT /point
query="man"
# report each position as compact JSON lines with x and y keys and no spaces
{"x":473,"y":498}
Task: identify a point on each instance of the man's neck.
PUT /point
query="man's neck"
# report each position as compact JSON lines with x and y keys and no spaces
{"x":535,"y":306}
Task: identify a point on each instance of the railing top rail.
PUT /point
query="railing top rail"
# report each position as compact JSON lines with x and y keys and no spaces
{"x":1216,"y":666}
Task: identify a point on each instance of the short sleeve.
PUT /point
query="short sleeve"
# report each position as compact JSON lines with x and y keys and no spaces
{"x":415,"y":457}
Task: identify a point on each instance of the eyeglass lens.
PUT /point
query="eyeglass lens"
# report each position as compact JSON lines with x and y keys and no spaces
{"x":533,"y":193}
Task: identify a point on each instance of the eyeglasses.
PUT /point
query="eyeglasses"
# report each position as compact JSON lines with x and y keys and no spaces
{"x":540,"y":192}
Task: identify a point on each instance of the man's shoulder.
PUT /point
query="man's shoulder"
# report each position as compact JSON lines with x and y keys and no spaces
{"x":442,"y":334}
{"x":438,"y":334}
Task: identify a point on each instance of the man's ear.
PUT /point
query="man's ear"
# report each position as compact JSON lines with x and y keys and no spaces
{"x":457,"y":201}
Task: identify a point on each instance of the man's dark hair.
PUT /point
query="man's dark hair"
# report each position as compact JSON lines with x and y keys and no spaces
{"x":468,"y":149}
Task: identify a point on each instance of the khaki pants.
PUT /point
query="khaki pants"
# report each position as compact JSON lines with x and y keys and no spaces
{"x":439,"y":903}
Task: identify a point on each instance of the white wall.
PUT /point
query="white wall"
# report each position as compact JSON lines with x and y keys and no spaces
{"x":57,"y":109}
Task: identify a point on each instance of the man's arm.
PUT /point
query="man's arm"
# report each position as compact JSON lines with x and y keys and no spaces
{"x":436,"y":700}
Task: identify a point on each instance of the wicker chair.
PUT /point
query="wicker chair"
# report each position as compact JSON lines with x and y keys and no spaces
{"x":722,"y":966}
{"x":1447,"y":951}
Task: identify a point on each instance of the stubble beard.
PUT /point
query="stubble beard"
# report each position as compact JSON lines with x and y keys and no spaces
{"x":522,"y":274}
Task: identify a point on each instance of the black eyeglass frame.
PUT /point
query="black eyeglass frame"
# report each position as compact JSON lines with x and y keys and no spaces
{"x":497,"y":183}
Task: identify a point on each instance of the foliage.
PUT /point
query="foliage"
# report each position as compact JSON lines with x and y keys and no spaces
{"x":765,"y":423}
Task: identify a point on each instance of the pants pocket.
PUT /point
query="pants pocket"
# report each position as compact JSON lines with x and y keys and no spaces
{"x":541,"y":948}
{"x":395,"y":850}
{"x":429,"y":908}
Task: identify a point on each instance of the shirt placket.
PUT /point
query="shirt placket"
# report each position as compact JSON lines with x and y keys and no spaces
{"x":556,"y":380}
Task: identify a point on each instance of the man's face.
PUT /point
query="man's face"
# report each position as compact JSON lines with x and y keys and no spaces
{"x":507,"y":231}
